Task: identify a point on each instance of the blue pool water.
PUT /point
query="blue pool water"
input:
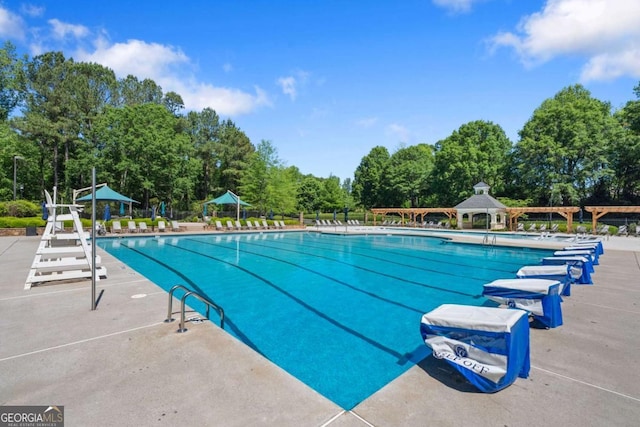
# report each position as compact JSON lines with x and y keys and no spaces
{"x":340,"y":313}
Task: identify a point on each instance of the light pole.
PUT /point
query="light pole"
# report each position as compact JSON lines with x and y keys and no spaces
{"x":15,"y":173}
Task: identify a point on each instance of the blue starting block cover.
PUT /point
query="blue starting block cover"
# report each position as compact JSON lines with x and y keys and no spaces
{"x":596,"y":244}
{"x":565,"y":274}
{"x":587,"y":252}
{"x":579,"y":261}
{"x":540,"y":297}
{"x":488,"y":346}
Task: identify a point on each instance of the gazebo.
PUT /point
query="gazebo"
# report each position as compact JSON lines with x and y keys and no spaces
{"x":482,"y":203}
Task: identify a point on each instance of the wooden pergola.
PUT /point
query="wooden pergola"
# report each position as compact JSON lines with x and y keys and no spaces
{"x":564,"y":211}
{"x":598,"y":211}
{"x":411,"y":212}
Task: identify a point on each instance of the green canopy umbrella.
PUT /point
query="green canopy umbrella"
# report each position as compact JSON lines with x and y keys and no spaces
{"x":106,"y":194}
{"x":229,"y":198}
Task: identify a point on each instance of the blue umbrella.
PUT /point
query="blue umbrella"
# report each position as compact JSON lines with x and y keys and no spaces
{"x":317,"y":215}
{"x":107,"y":213}
{"x":271,"y":214}
{"x":334,"y":214}
{"x":346,"y":214}
{"x":205,"y":210}
{"x":121,"y":209}
{"x":244,"y":214}
{"x":45,"y":211}
{"x":162,"y":209}
{"x":153,"y":213}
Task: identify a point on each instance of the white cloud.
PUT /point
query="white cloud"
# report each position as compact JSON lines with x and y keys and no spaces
{"x":604,"y":31}
{"x":169,"y":68}
{"x":398,"y":131}
{"x":61,"y":29}
{"x":11,"y":25}
{"x":367,"y":122}
{"x":288,"y":85}
{"x":32,"y":10}
{"x":456,"y":5}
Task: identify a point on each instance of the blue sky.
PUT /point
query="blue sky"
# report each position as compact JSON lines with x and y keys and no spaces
{"x":326,"y":81}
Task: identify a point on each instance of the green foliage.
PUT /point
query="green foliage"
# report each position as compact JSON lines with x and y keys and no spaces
{"x":368,"y":178}
{"x":20,"y":209}
{"x":515,"y":202}
{"x":13,"y":222}
{"x":406,"y":176}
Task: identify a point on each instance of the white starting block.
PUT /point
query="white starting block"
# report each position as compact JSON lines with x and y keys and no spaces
{"x":566,"y":274}
{"x":540,"y":297}
{"x":488,"y":346}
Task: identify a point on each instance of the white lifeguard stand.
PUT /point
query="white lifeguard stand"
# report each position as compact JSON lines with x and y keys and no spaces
{"x":63,"y":255}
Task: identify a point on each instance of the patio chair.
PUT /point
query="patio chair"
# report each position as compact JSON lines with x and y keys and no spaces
{"x":238,"y":225}
{"x":229,"y":225}
{"x":622,"y":231}
{"x":520,"y":227}
{"x":637,"y":231}
{"x":219,"y":226}
{"x":175,"y":226}
{"x":249,"y":225}
{"x":131,"y":227}
{"x":604,"y":230}
{"x":116,"y":227}
{"x":162,"y":227}
{"x":282,"y":224}
{"x":532,"y":227}
{"x":543,"y":228}
{"x":143,"y":227}
{"x":554,"y":228}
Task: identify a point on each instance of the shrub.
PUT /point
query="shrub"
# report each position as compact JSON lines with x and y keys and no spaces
{"x":20,"y":209}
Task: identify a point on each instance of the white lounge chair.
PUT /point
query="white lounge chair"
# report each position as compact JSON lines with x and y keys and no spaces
{"x":249,"y":225}
{"x":219,"y":226}
{"x":131,"y":226}
{"x":162,"y":226}
{"x":229,"y":225}
{"x":175,"y":226}
{"x":520,"y":227}
{"x":143,"y":227}
{"x":532,"y":227}
{"x":264,"y":224}
{"x":238,"y":225}
{"x":116,"y":227}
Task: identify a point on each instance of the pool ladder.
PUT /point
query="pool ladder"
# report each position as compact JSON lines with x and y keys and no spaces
{"x":190,"y":293}
{"x":485,"y":241}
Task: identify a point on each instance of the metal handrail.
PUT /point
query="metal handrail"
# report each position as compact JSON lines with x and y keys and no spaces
{"x":204,"y":300}
{"x":170,"y":319}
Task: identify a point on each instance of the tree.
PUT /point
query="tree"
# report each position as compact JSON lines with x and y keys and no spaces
{"x":367,"y":183}
{"x":477,"y":151}
{"x":235,"y":151}
{"x":407,"y":175}
{"x":204,"y":130}
{"x":11,"y":80}
{"x":564,"y":147}
{"x":625,"y":154}
{"x":309,"y":194}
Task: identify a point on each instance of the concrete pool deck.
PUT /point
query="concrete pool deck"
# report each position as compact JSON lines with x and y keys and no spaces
{"x":122,"y":365}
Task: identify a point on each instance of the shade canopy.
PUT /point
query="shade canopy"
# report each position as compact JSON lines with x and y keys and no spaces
{"x":228,"y":198}
{"x":108,"y":195}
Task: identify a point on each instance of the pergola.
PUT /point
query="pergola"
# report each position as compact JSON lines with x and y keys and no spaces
{"x":564,"y":211}
{"x":599,"y":211}
{"x":411,"y":212}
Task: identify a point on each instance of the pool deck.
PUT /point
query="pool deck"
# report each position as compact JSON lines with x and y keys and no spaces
{"x":122,"y":365}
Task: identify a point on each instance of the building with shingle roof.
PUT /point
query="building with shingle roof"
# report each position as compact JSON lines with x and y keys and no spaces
{"x":481,"y":203}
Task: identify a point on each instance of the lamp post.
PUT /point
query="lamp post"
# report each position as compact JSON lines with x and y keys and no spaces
{"x":15,"y":173}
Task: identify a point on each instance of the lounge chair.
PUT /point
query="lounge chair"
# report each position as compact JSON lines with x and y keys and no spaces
{"x":229,"y":225}
{"x":175,"y":226}
{"x":249,"y":225}
{"x":219,"y":226}
{"x":622,"y":231}
{"x":533,"y":227}
{"x":264,"y":224}
{"x":131,"y":226}
{"x":554,"y":228}
{"x":543,"y":228}
{"x":238,"y":225}
{"x":143,"y":227}
{"x":637,"y":231}
{"x":116,"y":227}
{"x":604,"y":230}
{"x":520,"y":227}
{"x":162,"y":226}
{"x":282,"y":224}
{"x":581,"y":229}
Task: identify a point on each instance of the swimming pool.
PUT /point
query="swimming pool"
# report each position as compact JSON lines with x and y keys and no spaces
{"x":340,"y":313}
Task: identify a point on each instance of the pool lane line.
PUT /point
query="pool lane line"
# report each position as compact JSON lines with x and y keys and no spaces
{"x":373,"y":343}
{"x":299,"y":266}
{"x":429,"y":258}
{"x":424,"y":285}
{"x":412,"y":265}
{"x":380,"y":273}
{"x":228,"y":319}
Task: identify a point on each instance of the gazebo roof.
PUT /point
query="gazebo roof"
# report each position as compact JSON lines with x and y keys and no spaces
{"x":480,"y":201}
